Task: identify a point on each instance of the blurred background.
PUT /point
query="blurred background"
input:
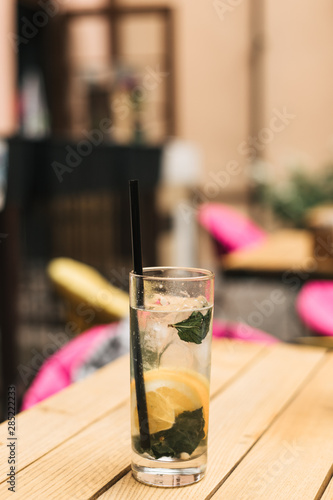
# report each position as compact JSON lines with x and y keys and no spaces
{"x":212,"y":101}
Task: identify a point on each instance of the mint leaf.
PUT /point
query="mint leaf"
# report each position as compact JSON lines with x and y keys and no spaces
{"x":195,"y":327}
{"x":183,"y":437}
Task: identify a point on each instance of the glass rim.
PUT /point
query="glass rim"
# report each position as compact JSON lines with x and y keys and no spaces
{"x":203,"y":274}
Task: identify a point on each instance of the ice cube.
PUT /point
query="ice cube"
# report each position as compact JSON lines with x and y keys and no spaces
{"x":201,"y":354}
{"x":163,"y":301}
{"x":160,"y":331}
{"x":177,"y":354}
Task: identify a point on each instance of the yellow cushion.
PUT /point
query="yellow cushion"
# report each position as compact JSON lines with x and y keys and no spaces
{"x":81,"y":283}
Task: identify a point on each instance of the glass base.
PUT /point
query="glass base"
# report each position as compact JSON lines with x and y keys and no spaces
{"x":168,"y":473}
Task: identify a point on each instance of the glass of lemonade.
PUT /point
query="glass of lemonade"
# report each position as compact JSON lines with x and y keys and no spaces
{"x":171,"y":312}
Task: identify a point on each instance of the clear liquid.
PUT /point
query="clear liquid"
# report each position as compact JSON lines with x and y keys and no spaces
{"x":172,"y":364}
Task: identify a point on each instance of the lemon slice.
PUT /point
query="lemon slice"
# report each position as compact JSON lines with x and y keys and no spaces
{"x":171,"y":392}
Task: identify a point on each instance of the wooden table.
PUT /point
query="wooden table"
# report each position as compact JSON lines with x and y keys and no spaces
{"x":284,"y":252}
{"x":271,"y":432}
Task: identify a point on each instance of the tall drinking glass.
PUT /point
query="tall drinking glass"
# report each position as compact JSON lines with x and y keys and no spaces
{"x":171,"y":316}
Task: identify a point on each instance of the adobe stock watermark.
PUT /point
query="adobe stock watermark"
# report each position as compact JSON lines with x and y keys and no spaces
{"x":29,"y":370}
{"x":323,"y":251}
{"x":280,"y":119}
{"x":266,"y":475}
{"x":122,"y":107}
{"x":152,"y":79}
{"x":29,"y":29}
{"x":293,"y":278}
{"x":250,"y":149}
{"x":120,"y":277}
{"x":225,"y":7}
{"x":262,"y":310}
{"x":83,"y":148}
{"x":87,"y":315}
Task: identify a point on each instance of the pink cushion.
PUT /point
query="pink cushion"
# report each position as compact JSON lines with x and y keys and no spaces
{"x":229,"y":228}
{"x":315,"y":306}
{"x":240,"y":331}
{"x":56,"y":372}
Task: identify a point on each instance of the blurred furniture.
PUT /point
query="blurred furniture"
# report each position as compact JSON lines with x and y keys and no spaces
{"x":245,"y":248}
{"x":315,"y":306}
{"x":180,"y":176}
{"x":260,"y":282}
{"x":326,"y":342}
{"x":320,"y":221}
{"x":241,"y":331}
{"x":270,"y":422}
{"x":135,"y":36}
{"x":57,"y":371}
{"x":286,"y":252}
{"x":230,"y":229}
{"x":61,"y":368}
{"x":82,"y":214}
{"x":84,"y":289}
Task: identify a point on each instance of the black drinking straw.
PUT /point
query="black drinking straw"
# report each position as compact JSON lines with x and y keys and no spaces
{"x":135,"y":337}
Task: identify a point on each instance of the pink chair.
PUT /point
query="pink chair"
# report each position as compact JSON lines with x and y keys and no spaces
{"x":56,"y":372}
{"x":315,"y":306}
{"x":229,"y":228}
{"x":241,"y":331}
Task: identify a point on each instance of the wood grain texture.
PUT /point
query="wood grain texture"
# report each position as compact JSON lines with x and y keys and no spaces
{"x":61,"y":416}
{"x":239,"y":416}
{"x":294,"y":458}
{"x":229,"y":358}
{"x":328,"y":493}
{"x":47,"y":432}
{"x":80,"y":466}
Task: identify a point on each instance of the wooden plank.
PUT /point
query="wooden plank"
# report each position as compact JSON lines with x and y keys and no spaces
{"x":82,"y":465}
{"x":65,"y":414}
{"x":286,"y":249}
{"x":328,"y":493}
{"x":54,"y":420}
{"x":56,"y":465}
{"x":229,"y":358}
{"x":239,"y":416}
{"x":295,"y":457}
